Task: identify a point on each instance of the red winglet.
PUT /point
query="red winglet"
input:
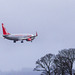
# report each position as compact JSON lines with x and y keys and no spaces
{"x":36,"y":34}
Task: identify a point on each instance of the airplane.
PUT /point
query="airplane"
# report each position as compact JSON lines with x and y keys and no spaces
{"x":17,"y":37}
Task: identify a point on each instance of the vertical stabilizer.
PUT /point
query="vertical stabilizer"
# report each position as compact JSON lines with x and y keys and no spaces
{"x":4,"y":30}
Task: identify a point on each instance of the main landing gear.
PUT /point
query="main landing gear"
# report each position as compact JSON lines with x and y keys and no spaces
{"x":22,"y":41}
{"x":14,"y":41}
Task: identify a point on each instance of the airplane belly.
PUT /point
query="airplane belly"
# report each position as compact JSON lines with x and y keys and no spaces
{"x":11,"y":38}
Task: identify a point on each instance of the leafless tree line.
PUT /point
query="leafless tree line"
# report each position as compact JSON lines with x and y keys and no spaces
{"x":60,"y":64}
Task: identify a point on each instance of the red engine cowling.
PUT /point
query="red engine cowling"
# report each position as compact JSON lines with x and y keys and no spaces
{"x":29,"y":39}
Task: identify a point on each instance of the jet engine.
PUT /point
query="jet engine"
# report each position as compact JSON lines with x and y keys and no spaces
{"x":29,"y":39}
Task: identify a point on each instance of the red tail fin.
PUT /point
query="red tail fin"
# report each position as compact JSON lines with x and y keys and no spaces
{"x":4,"y":30}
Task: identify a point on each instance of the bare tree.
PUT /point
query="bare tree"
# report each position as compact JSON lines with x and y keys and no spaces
{"x":44,"y":64}
{"x":63,"y":62}
{"x":59,"y":65}
{"x":69,"y":56}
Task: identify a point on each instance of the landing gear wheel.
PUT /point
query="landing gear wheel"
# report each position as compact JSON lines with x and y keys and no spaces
{"x":14,"y":41}
{"x":22,"y":41}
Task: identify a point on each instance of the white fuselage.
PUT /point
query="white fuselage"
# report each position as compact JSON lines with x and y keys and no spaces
{"x":17,"y":37}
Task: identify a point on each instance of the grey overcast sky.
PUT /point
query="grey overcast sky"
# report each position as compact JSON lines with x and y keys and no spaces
{"x":54,"y":20}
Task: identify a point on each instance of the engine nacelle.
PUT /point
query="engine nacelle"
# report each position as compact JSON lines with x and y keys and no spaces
{"x":29,"y":39}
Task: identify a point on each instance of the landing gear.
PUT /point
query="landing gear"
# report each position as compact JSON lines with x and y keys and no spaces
{"x":14,"y":41}
{"x":22,"y":41}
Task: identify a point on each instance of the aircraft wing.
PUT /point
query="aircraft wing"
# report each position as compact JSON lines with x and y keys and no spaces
{"x":26,"y":38}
